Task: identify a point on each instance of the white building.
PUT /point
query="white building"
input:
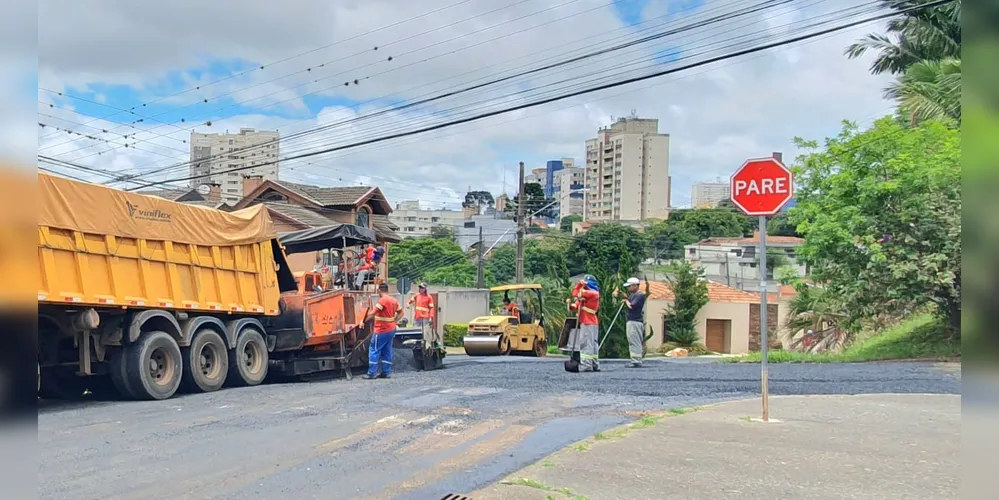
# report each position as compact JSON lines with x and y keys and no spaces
{"x":416,"y":222}
{"x":708,"y":194}
{"x":537,"y":176}
{"x":567,"y":180}
{"x":495,"y":231}
{"x":735,"y":261}
{"x":214,"y":156}
{"x":627,"y":172}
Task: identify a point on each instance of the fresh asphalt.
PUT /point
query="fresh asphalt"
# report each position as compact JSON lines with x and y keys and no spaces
{"x":418,"y":435}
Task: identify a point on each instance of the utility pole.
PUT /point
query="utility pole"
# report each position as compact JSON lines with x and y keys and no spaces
{"x":520,"y":226}
{"x":480,"y":281}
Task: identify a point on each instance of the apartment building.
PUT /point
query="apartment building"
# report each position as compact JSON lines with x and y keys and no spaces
{"x":253,"y":152}
{"x":537,"y":176}
{"x":416,"y":222}
{"x":708,"y":194}
{"x":569,"y":193}
{"x":627,"y":172}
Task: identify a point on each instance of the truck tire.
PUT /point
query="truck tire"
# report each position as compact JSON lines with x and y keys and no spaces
{"x":116,"y":368}
{"x":206,"y":362}
{"x":153,"y":366}
{"x":248,"y":360}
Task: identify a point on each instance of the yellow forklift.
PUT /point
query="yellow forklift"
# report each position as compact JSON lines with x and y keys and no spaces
{"x":502,"y":334}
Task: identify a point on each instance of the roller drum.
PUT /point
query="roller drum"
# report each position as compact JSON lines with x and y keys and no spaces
{"x":482,"y":345}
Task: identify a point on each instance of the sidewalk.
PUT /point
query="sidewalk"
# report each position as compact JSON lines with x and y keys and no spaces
{"x":824,"y":447}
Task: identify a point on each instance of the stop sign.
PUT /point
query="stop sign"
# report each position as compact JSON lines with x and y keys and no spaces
{"x":761,"y":186}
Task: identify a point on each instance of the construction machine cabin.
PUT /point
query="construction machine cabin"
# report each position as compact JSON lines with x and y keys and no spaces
{"x":146,"y":296}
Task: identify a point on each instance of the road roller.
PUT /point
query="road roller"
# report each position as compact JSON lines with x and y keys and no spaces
{"x":502,"y":334}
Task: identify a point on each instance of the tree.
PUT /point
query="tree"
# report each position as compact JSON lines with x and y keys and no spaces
{"x":442,"y":232}
{"x":922,"y":35}
{"x":684,"y":227}
{"x":880,"y":211}
{"x":462,"y":274}
{"x":690,"y":294}
{"x":535,"y":202}
{"x":414,"y":258}
{"x":779,"y":225}
{"x":929,"y":90}
{"x":480,"y":200}
{"x":565,"y":225}
{"x":614,"y":248}
{"x":502,"y":263}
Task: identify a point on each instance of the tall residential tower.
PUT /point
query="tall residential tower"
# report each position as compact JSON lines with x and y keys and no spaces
{"x":627,"y":172}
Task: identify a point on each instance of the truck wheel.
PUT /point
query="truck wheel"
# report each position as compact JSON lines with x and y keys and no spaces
{"x":116,"y":369}
{"x":206,"y":362}
{"x":248,"y":360}
{"x":153,"y":366}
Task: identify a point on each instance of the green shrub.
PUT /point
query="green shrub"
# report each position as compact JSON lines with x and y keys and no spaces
{"x":683,"y":337}
{"x":453,"y":334}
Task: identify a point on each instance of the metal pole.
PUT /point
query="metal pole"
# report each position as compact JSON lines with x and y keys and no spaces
{"x":480,"y":274}
{"x":765,"y":347}
{"x":521,"y":199}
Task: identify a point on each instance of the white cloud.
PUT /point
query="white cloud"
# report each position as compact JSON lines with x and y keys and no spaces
{"x":717,"y":115}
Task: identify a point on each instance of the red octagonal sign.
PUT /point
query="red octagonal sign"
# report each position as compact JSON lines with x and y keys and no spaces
{"x":761,"y":186}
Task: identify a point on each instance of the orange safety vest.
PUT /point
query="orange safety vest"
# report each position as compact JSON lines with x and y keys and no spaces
{"x":587,"y":305}
{"x":424,"y":306}
{"x":385,"y":312}
{"x":513,"y":310}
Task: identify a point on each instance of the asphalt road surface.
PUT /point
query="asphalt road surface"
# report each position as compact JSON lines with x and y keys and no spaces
{"x":415,"y":436}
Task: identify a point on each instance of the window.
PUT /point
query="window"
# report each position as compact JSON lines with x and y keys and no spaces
{"x":364,"y":217}
{"x":470,"y":224}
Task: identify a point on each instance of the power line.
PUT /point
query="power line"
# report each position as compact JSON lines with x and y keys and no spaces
{"x":608,"y":85}
{"x":273,"y":63}
{"x":390,"y":58}
{"x":646,"y":39}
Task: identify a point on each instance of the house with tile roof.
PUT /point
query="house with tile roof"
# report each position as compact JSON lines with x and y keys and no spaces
{"x":293,"y":206}
{"x":213,"y":199}
{"x":735,"y":261}
{"x":729,"y":323}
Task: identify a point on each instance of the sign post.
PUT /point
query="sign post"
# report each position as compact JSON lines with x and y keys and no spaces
{"x":762,"y":187}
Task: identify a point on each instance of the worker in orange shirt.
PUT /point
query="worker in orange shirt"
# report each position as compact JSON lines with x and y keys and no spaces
{"x":366,"y":269}
{"x":511,"y":308}
{"x":587,"y":302}
{"x":386,"y":313}
{"x":423,"y":313}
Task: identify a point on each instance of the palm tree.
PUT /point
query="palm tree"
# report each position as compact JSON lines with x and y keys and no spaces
{"x":929,"y":90}
{"x":816,"y":310}
{"x":922,"y":35}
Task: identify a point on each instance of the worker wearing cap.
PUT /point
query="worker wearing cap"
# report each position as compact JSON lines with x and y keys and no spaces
{"x":635,"y":326}
{"x":423,"y":311}
{"x":386,"y":313}
{"x":587,"y":302}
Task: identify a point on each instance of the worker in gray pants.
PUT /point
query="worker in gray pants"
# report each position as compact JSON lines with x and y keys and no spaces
{"x":635,"y":326}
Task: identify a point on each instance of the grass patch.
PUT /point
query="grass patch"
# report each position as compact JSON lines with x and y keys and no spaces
{"x":548,"y":463}
{"x":581,"y":447}
{"x":921,"y":337}
{"x":538,"y":485}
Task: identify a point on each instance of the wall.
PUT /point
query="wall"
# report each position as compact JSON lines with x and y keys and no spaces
{"x":457,"y":305}
{"x":773,"y":320}
{"x":736,"y":312}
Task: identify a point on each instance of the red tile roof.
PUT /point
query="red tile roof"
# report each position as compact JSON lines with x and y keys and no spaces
{"x":717,"y":292}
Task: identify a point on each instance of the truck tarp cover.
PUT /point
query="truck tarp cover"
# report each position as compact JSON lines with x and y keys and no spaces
{"x":90,"y":208}
{"x":321,"y":238}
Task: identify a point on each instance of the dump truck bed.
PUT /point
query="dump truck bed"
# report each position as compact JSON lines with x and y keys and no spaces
{"x":103,"y":247}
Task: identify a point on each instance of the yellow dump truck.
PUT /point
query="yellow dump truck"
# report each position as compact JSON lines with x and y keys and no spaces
{"x":152,"y":293}
{"x":141,"y":296}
